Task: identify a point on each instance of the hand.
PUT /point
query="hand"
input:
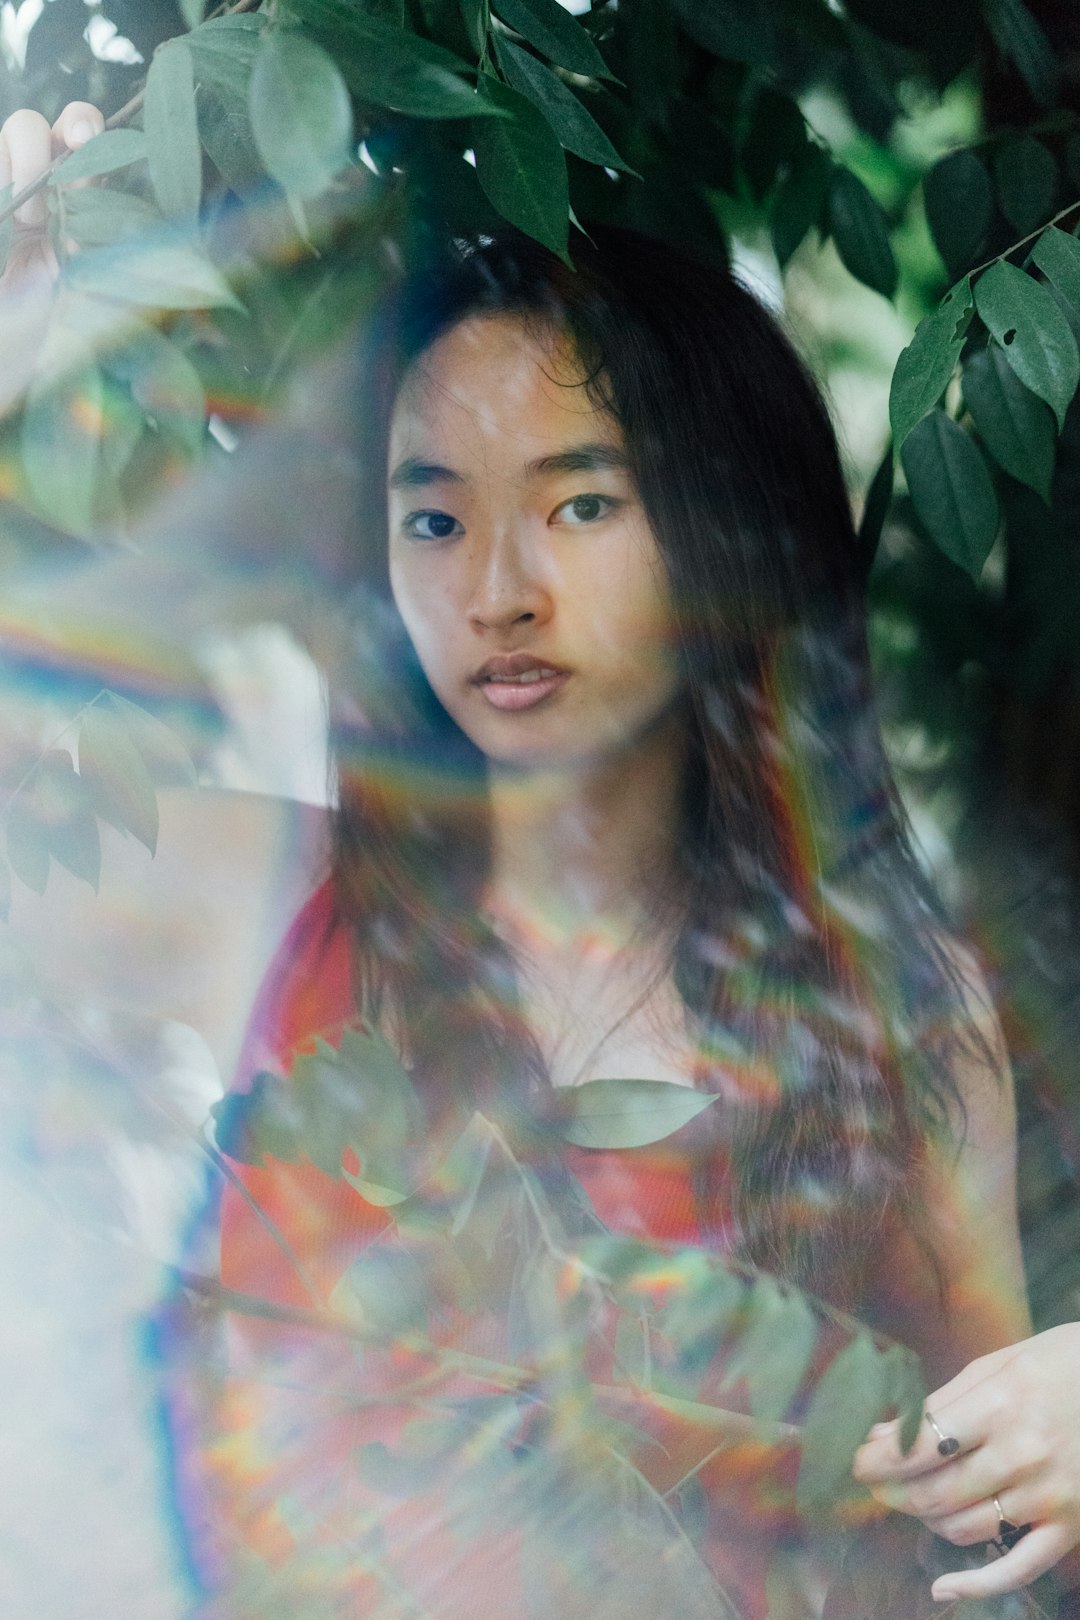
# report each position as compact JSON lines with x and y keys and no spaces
{"x":27,"y":147}
{"x":1016,"y":1414}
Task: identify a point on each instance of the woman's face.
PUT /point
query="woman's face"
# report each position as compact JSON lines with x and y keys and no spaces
{"x":521,"y":560}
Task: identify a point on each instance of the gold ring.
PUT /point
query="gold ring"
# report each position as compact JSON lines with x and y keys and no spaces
{"x":948,"y":1445}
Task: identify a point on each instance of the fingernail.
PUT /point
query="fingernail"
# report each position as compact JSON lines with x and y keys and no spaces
{"x":943,"y":1594}
{"x":80,"y":133}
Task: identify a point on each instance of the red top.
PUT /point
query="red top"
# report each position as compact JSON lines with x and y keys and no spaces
{"x":318,"y":1492}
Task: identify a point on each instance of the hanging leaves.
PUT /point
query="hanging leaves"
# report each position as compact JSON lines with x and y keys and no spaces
{"x":924,"y":368}
{"x":951,"y":489}
{"x":1015,"y":426}
{"x":959,"y":203}
{"x":1026,"y":177}
{"x":854,"y":1392}
{"x":1058,"y":257}
{"x":861,"y":233}
{"x":799,"y":200}
{"x":1019,"y":37}
{"x":774,"y":1348}
{"x":172,"y":132}
{"x":575,"y":126}
{"x":627,"y":1113}
{"x":521,"y":167}
{"x":1034,"y":333}
{"x":555,"y":34}
{"x":301,"y":115}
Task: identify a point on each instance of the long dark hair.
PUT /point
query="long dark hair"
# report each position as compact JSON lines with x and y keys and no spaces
{"x":806,"y":945}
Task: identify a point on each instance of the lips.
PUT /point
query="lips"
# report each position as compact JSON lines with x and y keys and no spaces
{"x":514,"y":681}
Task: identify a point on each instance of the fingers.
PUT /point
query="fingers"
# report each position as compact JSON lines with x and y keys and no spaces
{"x":26,"y":143}
{"x":79,"y":122}
{"x":880,"y":1460}
{"x":1039,"y":1551}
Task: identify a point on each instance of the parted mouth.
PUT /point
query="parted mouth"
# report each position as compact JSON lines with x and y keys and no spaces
{"x":516,"y":669}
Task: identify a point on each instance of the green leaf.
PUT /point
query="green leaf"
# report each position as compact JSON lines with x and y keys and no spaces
{"x":876,"y":509}
{"x":112,"y":766}
{"x":164,"y":755}
{"x":1026,"y":177}
{"x":924,"y":368}
{"x":166,"y":385}
{"x":225,"y":131}
{"x":192,"y":12}
{"x":223,"y":51}
{"x":1035,"y":335}
{"x":62,"y":427}
{"x":951,"y":489}
{"x":172,"y":132}
{"x":575,"y":126}
{"x":555,"y":34}
{"x":27,"y":846}
{"x":959,"y":203}
{"x":1015,"y":426}
{"x":301,"y":115}
{"x":736,"y":30}
{"x":266,"y":1121}
{"x":1019,"y":37}
{"x":522,"y":170}
{"x":907,"y":1391}
{"x":99,"y":217}
{"x":149,"y":274}
{"x":853,"y":1393}
{"x":861,"y":233}
{"x":627,"y":1113}
{"x":392,"y":67}
{"x":476,"y":18}
{"x":62,"y":807}
{"x":774,"y":1350}
{"x":1058,"y":257}
{"x":799,"y":200}
{"x":112,"y":149}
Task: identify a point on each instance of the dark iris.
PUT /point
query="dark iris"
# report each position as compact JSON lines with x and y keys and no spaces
{"x":586,"y":507}
{"x":440,"y":524}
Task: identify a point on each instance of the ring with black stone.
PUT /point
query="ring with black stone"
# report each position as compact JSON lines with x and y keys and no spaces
{"x":948,"y":1445}
{"x":1008,"y":1533}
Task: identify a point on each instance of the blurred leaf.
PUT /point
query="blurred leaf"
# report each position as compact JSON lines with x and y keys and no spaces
{"x":951,"y":490}
{"x":575,"y":126}
{"x":301,"y":115}
{"x":98,"y":216}
{"x":152,"y":274}
{"x":387,"y":1290}
{"x":776,"y":140}
{"x":627,"y":1113}
{"x":555,"y":34}
{"x":1026,"y":177}
{"x":1058,"y":257}
{"x":878,"y":501}
{"x":223,"y":51}
{"x":774,"y":1350}
{"x":164,"y":755}
{"x":225,"y":132}
{"x":1019,"y":37}
{"x":1016,"y":427}
{"x":168,"y":388}
{"x":853,"y":1392}
{"x":799,"y":200}
{"x":62,"y":427}
{"x":959,"y":203}
{"x":1034,"y":333}
{"x":111,"y":764}
{"x":737,"y":30}
{"x":522,"y":170}
{"x":475,"y":16}
{"x":924,"y":368}
{"x":62,"y":807}
{"x":266,"y":1121}
{"x":907,"y":1391}
{"x":27,"y":846}
{"x":111,"y":150}
{"x":192,"y":12}
{"x":861,"y":233}
{"x":172,"y":132}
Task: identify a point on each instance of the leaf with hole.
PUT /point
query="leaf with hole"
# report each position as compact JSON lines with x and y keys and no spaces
{"x":172,"y":132}
{"x":113,"y":149}
{"x":959,"y":201}
{"x":555,"y":34}
{"x":575,"y":126}
{"x":112,"y":766}
{"x":1026,"y":178}
{"x":861,"y":233}
{"x":522,"y":170}
{"x":627,"y":1113}
{"x":1035,"y":335}
{"x":301,"y":115}
{"x":1016,"y":427}
{"x":924,"y":368}
{"x":852,"y":1394}
{"x":951,"y":490}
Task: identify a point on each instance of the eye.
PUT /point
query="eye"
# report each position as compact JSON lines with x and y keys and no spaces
{"x":584,"y":509}
{"x":431,"y":526}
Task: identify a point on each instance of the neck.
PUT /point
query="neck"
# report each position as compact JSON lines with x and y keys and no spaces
{"x":576,"y":850}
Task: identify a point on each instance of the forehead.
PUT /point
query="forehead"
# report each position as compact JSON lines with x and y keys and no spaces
{"x":497,"y":386}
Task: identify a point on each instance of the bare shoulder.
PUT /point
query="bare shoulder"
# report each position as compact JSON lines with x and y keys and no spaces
{"x":187,"y":932}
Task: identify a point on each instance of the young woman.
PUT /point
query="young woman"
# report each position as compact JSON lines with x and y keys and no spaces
{"x":613,"y":805}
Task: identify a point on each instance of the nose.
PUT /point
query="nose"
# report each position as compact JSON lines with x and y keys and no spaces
{"x":508,"y":586}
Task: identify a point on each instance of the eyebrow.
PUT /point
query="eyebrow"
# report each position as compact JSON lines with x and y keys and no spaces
{"x":415,"y":473}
